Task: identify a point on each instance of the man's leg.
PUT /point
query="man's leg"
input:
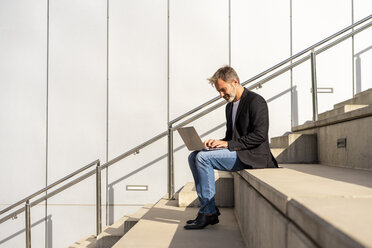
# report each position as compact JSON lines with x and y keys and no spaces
{"x":202,"y":164}
{"x":194,"y":171}
{"x":205,"y":163}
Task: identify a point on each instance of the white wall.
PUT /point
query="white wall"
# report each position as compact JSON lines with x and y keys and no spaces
{"x":137,"y":102}
{"x":260,"y":39}
{"x":310,"y":25}
{"x":90,"y":118}
{"x":363,"y":48}
{"x":22,"y":113}
{"x":77,"y":111}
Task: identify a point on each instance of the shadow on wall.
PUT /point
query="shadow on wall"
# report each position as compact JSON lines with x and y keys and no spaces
{"x":358,"y":70}
{"x":294,"y":111}
{"x":49,"y":226}
{"x":111,"y":189}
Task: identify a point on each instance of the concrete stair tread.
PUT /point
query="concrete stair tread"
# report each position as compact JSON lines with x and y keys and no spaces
{"x":341,"y":110}
{"x":333,"y":205}
{"x":163,"y":225}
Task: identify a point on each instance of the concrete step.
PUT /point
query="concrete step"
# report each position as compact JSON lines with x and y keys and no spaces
{"x":295,"y":148}
{"x":163,"y":225}
{"x":364,"y":97}
{"x":305,"y":205}
{"x":343,"y":140}
{"x":224,"y":197}
{"x":86,"y":242}
{"x":340,"y":110}
{"x":113,"y":233}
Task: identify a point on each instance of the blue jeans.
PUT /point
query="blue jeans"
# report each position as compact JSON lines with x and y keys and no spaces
{"x":202,"y":164}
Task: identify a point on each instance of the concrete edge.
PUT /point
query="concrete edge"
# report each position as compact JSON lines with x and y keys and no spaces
{"x":348,"y":116}
{"x":278,"y":199}
{"x":317,"y":228}
{"x":301,"y":216}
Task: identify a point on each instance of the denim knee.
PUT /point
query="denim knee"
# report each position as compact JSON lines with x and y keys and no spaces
{"x":191,"y":158}
{"x":201,"y":157}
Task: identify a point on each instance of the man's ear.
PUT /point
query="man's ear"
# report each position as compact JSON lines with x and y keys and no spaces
{"x":235,"y":82}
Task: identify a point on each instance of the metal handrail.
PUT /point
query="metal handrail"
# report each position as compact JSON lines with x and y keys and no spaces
{"x":274,"y":67}
{"x":272,"y":76}
{"x":135,"y":150}
{"x":171,"y":129}
{"x":49,"y":186}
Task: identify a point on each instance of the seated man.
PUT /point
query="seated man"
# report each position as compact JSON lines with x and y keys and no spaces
{"x":246,"y":143}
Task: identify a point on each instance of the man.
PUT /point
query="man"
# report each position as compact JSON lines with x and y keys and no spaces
{"x":246,"y":143}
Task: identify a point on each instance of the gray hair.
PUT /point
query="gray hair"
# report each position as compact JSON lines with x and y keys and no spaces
{"x":226,"y":73}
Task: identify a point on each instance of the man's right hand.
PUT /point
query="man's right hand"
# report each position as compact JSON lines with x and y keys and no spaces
{"x":211,"y":143}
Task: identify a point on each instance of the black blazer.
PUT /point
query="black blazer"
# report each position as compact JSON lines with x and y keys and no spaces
{"x":250,"y":136}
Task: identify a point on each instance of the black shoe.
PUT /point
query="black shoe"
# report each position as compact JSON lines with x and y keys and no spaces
{"x":194,"y":220}
{"x":202,"y":221}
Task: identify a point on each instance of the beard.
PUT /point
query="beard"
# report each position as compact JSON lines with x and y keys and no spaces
{"x":231,"y":96}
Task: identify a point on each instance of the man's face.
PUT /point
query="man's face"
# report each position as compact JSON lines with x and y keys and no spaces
{"x":227,"y":90}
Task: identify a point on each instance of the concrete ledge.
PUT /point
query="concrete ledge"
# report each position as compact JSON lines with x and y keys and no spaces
{"x":224,"y":197}
{"x":327,"y":206}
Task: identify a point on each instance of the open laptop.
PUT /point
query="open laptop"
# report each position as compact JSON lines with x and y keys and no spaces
{"x":192,"y":139}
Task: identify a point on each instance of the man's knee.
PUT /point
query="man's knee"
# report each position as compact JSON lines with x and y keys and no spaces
{"x":201,"y":157}
{"x":192,"y":158}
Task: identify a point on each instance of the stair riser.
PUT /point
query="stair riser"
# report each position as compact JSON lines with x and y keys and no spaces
{"x":303,"y":150}
{"x":363,"y":98}
{"x":341,"y":110}
{"x":224,"y":194}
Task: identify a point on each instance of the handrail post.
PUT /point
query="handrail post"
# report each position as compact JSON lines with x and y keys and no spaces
{"x":28,"y":224}
{"x":170,"y":163}
{"x":314,"y":86}
{"x":98,"y":198}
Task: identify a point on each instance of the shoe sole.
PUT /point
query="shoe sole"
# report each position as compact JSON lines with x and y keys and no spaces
{"x":214,"y":222}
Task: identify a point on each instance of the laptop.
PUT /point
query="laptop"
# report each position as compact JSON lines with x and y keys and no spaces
{"x":192,"y":139}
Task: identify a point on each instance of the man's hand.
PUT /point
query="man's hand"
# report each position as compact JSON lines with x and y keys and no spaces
{"x":215,"y":143}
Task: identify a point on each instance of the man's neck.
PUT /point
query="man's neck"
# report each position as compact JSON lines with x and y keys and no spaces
{"x":239,"y":93}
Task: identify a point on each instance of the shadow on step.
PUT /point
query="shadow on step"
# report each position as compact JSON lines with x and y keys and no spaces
{"x":164,"y":224}
{"x":302,"y":150}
